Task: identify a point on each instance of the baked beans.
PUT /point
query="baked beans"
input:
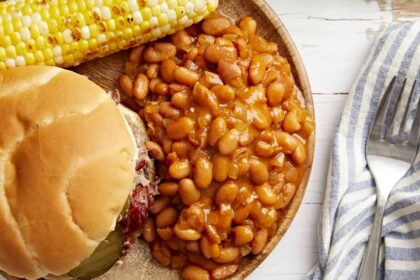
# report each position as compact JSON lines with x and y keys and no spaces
{"x":226,"y":118}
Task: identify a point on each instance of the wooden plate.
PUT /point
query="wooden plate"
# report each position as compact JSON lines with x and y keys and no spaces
{"x":106,"y":71}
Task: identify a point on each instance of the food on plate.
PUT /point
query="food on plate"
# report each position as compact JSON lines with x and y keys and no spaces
{"x":67,"y":34}
{"x":76,"y":178}
{"x":229,"y":131}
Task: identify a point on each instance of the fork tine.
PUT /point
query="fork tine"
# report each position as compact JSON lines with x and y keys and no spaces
{"x":382,"y":110}
{"x":409,"y":115}
{"x":414,"y":136}
{"x":396,"y":118}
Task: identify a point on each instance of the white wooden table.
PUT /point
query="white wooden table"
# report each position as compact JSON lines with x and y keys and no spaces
{"x":333,"y":38}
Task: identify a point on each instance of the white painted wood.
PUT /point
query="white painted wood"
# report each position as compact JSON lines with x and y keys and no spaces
{"x":333,"y":38}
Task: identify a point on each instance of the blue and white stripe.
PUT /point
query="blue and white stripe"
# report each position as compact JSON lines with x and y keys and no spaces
{"x":350,"y":196}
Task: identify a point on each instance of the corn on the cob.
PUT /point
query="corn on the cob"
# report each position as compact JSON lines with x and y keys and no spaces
{"x":66,"y":33}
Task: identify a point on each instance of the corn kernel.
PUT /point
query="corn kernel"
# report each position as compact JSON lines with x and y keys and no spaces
{"x":128,"y":34}
{"x":83,"y":45}
{"x":146,"y":13}
{"x":34,"y":29}
{"x":40,"y":43}
{"x":156,"y":11}
{"x":48,"y":53}
{"x":111,"y":25}
{"x":8,"y":27}
{"x":163,"y":19}
{"x":17,"y":24}
{"x":39,"y":56}
{"x":68,"y":59}
{"x":2,"y":54}
{"x":20,"y":48}
{"x":2,"y":66}
{"x":11,"y":51}
{"x":30,"y":58}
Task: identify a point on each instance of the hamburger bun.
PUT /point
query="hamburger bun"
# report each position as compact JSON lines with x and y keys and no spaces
{"x":67,"y":161}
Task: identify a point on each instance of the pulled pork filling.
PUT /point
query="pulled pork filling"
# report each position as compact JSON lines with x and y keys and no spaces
{"x":145,"y":188}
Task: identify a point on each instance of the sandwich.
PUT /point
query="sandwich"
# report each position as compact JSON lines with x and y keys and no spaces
{"x":76,"y":180}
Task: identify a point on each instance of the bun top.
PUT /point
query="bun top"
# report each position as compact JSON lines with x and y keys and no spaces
{"x":67,"y":164}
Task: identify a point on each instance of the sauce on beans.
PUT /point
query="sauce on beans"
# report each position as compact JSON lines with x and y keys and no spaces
{"x":229,"y":131}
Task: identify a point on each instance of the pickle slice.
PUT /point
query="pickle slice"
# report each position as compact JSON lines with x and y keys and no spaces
{"x":102,"y":259}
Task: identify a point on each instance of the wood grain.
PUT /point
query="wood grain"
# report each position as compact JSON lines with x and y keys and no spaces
{"x":105,"y":72}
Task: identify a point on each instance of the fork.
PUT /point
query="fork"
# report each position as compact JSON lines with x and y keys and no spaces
{"x":390,"y":151}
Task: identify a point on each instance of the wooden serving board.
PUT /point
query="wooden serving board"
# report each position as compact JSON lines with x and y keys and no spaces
{"x":105,"y":72}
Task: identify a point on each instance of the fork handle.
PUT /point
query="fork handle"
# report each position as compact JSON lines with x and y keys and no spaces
{"x":369,"y":267}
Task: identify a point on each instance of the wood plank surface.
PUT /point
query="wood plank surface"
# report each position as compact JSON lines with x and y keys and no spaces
{"x":333,"y":38}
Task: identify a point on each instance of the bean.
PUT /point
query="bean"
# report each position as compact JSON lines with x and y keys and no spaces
{"x":259,"y":241}
{"x":181,"y":100}
{"x":155,"y":150}
{"x":224,"y":93}
{"x":266,"y":194}
{"x":258,"y":67}
{"x":287,"y":141}
{"x":180,"y":169}
{"x":299,"y":155}
{"x":227,"y":255}
{"x":159,"y":204}
{"x":215,"y":53}
{"x":149,"y":231}
{"x":218,"y":128}
{"x":193,"y":272}
{"x":261,"y":116}
{"x":178,"y":261}
{"x":152,"y":71}
{"x":205,"y":97}
{"x":167,"y":69}
{"x":136,"y":54}
{"x":185,"y":76}
{"x":182,"y":40}
{"x":291,"y":122}
{"x":229,"y":70}
{"x":161,"y":253}
{"x":226,"y":193}
{"x":223,"y":271}
{"x":229,"y":142}
{"x":263,"y":149}
{"x":126,"y":84}
{"x":248,"y":26}
{"x":159,"y":52}
{"x":166,"y":217}
{"x":209,"y":249}
{"x":193,"y":246}
{"x":167,"y":110}
{"x":203,"y":173}
{"x":188,"y":234}
{"x":188,"y":192}
{"x":221,"y":166}
{"x":212,"y":234}
{"x":183,"y":148}
{"x":275,"y":93}
{"x":165,"y":233}
{"x":215,"y":25}
{"x":141,"y":87}
{"x":161,"y":89}
{"x":168,"y":188}
{"x":241,"y":214}
{"x":179,"y":129}
{"x":258,"y":172}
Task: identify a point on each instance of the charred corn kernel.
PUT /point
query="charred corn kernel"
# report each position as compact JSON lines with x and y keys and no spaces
{"x":66,"y":34}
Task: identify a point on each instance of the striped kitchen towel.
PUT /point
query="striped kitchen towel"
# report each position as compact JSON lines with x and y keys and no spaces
{"x":350,"y":196}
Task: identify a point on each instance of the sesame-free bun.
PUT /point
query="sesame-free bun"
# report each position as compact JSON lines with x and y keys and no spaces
{"x":67,"y":166}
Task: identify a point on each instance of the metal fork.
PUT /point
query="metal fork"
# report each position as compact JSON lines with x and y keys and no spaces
{"x":391,"y":150}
